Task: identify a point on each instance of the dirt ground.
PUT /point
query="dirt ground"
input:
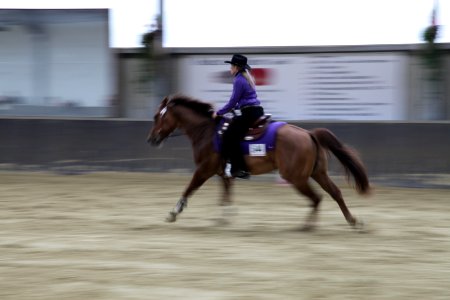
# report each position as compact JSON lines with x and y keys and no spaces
{"x":103,"y":236}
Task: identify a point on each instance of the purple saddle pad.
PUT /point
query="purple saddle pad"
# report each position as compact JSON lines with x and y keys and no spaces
{"x":257,"y":147}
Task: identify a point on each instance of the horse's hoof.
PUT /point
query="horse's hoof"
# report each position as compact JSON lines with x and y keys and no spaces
{"x":172,"y":217}
{"x":359,"y":226}
{"x":307,"y":228}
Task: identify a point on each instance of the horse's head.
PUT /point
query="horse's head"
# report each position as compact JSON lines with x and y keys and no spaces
{"x":164,"y":123}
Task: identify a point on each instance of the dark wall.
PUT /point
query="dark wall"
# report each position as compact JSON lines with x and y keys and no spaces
{"x":71,"y":145}
{"x":87,"y":144}
{"x":397,"y":147}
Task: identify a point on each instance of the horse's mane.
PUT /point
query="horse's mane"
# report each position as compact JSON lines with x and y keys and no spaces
{"x":203,"y":108}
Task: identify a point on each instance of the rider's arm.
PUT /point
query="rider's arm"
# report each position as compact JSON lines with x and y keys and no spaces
{"x":236,"y":95}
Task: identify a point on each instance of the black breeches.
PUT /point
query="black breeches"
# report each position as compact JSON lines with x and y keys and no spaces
{"x":236,"y":132}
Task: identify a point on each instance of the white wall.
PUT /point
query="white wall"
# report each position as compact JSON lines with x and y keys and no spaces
{"x":80,"y":64}
{"x":57,"y":63}
{"x":256,"y":23}
{"x":15,"y":63}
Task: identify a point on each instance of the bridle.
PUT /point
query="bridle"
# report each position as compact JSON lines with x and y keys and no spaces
{"x":161,"y":113}
{"x":175,"y":135}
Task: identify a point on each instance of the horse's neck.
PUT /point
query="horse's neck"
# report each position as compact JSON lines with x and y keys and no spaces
{"x":197,"y":129}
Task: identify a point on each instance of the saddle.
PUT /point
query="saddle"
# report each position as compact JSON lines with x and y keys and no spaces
{"x":258,"y":127}
{"x":259,"y":140}
{"x":256,"y":130}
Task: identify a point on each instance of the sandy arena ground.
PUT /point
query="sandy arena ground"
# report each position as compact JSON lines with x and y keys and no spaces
{"x":103,"y":236}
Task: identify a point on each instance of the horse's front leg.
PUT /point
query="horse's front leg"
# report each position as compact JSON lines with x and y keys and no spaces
{"x":198,"y":179}
{"x":226,"y":202}
{"x":227,"y":184}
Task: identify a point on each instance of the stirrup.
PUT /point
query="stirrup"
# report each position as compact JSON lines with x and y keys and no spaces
{"x":227,"y":171}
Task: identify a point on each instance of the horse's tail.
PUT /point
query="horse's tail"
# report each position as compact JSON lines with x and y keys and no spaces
{"x":347,"y":156}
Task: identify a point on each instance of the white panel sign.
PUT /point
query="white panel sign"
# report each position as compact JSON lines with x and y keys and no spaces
{"x":354,"y":86}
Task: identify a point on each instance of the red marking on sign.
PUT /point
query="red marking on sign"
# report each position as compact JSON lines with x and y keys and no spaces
{"x":262,"y":76}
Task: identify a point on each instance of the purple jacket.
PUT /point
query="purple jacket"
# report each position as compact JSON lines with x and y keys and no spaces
{"x":243,"y":94}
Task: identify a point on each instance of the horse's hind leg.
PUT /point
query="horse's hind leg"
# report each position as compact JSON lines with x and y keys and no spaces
{"x":325,"y":182}
{"x":305,"y":189}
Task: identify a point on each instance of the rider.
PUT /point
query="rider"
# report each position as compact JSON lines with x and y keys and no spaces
{"x":244,"y":98}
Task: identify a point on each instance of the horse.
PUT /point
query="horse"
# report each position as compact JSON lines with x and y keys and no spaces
{"x":299,"y":154}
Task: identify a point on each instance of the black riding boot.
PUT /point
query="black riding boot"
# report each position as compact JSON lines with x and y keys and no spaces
{"x":239,"y":168}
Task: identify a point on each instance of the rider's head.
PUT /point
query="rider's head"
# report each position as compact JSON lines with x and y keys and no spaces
{"x":238,"y":63}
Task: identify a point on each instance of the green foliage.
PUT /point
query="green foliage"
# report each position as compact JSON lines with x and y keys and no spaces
{"x":148,"y":55}
{"x":153,"y":35}
{"x":430,"y":34}
{"x":431,"y":53}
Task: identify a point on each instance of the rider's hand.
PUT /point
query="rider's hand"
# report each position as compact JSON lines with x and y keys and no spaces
{"x":214,"y":115}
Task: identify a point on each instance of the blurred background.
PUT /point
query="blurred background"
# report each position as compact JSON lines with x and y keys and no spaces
{"x":80,"y":81}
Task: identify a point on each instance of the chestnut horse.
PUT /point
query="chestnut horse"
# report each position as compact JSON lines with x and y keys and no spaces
{"x":299,"y":155}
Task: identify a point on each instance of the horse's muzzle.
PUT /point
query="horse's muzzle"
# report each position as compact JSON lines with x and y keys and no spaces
{"x":155,"y":140}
